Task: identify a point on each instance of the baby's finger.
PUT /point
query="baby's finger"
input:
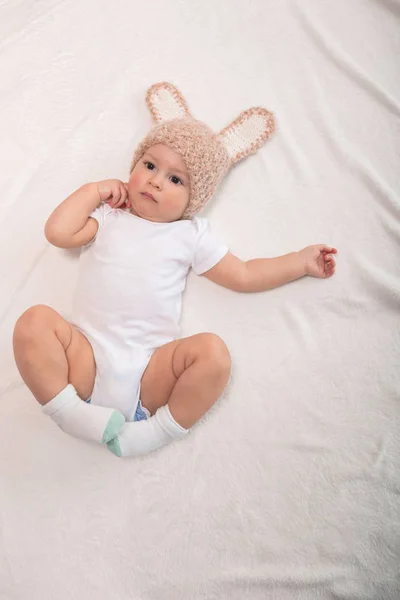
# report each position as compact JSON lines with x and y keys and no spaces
{"x":124,"y":196}
{"x":116,"y":197}
{"x":124,"y":192}
{"x":120,"y":202}
{"x":329,"y":270}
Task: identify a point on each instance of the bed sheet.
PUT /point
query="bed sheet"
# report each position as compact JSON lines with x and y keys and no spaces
{"x":289,"y":488}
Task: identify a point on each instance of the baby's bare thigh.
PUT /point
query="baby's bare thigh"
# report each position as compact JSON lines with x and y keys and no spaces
{"x":170,"y":361}
{"x":78,"y":350}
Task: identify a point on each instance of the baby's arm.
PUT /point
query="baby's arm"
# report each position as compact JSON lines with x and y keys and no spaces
{"x":257,"y":275}
{"x":69,"y":225}
{"x":262,"y":274}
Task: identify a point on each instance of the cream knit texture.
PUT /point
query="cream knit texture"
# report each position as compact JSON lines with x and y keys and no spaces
{"x":207,"y":155}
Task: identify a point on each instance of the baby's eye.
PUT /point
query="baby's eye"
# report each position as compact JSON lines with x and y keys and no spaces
{"x":146,"y":162}
{"x":177,"y":180}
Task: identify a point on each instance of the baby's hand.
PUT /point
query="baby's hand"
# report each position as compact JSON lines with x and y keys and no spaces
{"x":114,"y":192}
{"x":318,"y":260}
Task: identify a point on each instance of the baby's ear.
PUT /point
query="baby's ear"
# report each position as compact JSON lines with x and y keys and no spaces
{"x":246,"y":134}
{"x":166,"y":102}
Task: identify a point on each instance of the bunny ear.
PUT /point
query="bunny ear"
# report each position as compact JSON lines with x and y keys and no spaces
{"x":246,"y":134}
{"x":166,"y":102}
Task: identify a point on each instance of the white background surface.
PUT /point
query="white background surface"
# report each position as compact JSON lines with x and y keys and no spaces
{"x":289,"y":488}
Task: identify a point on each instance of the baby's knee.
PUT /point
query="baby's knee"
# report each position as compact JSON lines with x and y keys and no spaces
{"x":31,"y":321}
{"x":216,"y":351}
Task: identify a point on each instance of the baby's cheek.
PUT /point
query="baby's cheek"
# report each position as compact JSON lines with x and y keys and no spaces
{"x":178,"y":202}
{"x":134,"y":181}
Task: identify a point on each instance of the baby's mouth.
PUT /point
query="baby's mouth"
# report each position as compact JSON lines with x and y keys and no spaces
{"x":148,"y":196}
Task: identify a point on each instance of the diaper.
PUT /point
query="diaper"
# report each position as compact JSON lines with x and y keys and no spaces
{"x":141,"y":413}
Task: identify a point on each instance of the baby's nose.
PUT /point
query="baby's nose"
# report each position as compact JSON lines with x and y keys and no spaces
{"x":156,"y":181}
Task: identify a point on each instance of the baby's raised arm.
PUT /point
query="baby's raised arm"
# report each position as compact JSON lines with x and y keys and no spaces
{"x":69,"y":225}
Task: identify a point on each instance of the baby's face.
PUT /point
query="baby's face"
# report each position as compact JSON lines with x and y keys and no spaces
{"x":162,"y":173}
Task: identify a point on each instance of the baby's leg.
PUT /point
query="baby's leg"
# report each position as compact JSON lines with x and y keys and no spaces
{"x":182,"y":381}
{"x":57,"y":364}
{"x":189,"y":374}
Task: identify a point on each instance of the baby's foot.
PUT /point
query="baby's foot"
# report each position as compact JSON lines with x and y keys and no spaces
{"x":87,"y":421}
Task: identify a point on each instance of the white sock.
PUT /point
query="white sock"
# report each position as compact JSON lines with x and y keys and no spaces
{"x":74,"y":416}
{"x":141,"y":437}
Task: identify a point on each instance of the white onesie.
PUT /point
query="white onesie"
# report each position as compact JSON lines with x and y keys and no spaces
{"x":129,"y":294}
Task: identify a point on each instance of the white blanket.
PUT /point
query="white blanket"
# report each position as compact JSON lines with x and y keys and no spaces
{"x":289,"y":488}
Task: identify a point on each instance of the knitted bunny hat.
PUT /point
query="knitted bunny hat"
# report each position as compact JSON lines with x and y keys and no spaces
{"x":208,"y":156}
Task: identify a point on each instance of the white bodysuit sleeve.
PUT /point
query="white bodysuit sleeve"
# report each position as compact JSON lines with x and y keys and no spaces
{"x":100,"y":214}
{"x":208,"y":250}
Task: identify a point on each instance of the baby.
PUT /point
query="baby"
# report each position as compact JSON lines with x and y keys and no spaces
{"x":118,"y":373}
